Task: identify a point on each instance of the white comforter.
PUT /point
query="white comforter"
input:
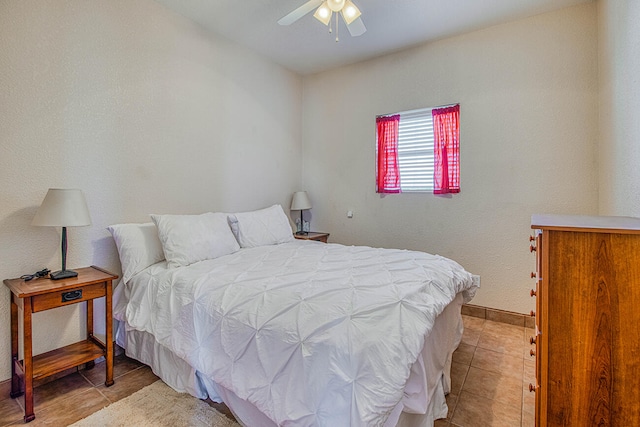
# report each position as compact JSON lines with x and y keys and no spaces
{"x":310,"y":333}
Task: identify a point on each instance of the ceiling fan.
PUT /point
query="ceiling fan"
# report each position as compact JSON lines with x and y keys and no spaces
{"x":324,"y":12}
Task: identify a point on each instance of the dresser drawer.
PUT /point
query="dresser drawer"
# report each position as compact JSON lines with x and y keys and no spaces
{"x":67,"y":296}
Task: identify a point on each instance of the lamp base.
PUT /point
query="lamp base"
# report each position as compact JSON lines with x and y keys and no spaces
{"x":62,"y":274}
{"x":302,"y":233}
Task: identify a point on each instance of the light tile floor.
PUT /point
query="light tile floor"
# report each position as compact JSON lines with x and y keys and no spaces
{"x":66,"y":399}
{"x":490,"y":375}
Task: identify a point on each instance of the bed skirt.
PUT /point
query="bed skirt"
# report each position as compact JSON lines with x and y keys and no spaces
{"x":424,"y":400}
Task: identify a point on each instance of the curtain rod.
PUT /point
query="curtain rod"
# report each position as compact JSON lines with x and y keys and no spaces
{"x":418,"y":109}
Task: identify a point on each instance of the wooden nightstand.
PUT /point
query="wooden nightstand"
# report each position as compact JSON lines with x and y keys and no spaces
{"x":44,"y":294}
{"x":313,"y":235}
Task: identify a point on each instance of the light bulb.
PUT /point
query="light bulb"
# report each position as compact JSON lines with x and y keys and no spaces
{"x":350,"y":12}
{"x":335,"y":5}
{"x":323,"y":14}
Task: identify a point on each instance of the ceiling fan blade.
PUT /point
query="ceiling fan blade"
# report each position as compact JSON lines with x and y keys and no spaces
{"x":356,"y":28}
{"x":299,"y":12}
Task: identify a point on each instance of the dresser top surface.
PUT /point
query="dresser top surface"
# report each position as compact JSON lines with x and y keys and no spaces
{"x":586,"y":223}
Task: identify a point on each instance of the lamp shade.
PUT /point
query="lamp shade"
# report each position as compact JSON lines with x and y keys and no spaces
{"x":300,"y":201}
{"x":63,"y":208}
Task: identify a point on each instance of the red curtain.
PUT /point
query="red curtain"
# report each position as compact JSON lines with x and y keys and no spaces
{"x":446,"y":135}
{"x":388,"y":173}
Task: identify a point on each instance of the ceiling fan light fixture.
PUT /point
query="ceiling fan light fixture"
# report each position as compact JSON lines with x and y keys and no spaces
{"x":335,"y":5}
{"x":323,"y":13}
{"x":324,"y":10}
{"x":350,"y":12}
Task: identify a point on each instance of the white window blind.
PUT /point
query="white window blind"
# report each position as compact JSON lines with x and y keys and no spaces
{"x":415,"y":150}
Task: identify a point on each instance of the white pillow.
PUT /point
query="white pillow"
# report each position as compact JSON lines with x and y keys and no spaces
{"x":191,"y":238}
{"x":138,"y":247}
{"x":268,"y":226}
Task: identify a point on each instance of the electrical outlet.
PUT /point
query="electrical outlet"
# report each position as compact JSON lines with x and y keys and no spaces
{"x":475,"y":279}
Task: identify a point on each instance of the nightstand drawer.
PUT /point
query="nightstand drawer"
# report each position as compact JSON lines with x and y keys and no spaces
{"x":67,"y":296}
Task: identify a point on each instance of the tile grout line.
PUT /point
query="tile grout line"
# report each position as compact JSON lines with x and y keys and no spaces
{"x":103,"y":395}
{"x":453,"y":411}
{"x":475,"y":348}
{"x":20,"y":400}
{"x":518,"y":409}
{"x":524,"y":332}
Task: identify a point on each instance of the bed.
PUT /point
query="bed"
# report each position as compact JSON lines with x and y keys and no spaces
{"x":289,"y":332}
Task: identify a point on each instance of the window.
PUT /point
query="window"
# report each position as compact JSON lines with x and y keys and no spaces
{"x":418,"y":151}
{"x":415,"y":150}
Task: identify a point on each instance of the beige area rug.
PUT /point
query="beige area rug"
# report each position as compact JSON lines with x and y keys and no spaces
{"x":157,"y":405}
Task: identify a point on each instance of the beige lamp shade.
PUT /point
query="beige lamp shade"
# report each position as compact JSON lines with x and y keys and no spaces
{"x":63,"y":208}
{"x":300,"y":201}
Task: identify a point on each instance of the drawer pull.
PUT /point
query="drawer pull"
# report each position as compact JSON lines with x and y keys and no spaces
{"x":532,"y":388}
{"x":532,"y":248}
{"x":72,"y":295}
{"x":532,"y":293}
{"x":531,"y":238}
{"x":532,"y":340}
{"x":532,"y":313}
{"x":532,"y":353}
{"x":533,"y":275}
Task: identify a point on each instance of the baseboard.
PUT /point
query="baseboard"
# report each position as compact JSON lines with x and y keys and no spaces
{"x":501,"y":316}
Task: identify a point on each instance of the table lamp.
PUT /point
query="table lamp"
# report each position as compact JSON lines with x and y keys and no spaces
{"x":300,"y":202}
{"x":63,"y":208}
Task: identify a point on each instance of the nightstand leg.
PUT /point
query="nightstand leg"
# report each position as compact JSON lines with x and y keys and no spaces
{"x":90,"y":318}
{"x":16,"y":391}
{"x":92,"y":364}
{"x":109,"y":335}
{"x":28,"y":363}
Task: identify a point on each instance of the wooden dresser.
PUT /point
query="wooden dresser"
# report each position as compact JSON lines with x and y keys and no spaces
{"x":587,"y":343}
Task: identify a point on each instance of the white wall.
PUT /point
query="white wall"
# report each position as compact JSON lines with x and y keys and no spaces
{"x":116,"y":97}
{"x":528,"y":96}
{"x":619,"y":79}
{"x":145,"y":112}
